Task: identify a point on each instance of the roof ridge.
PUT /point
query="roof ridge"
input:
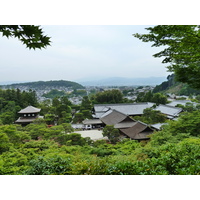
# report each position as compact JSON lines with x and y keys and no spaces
{"x":115,"y":104}
{"x":169,"y":106}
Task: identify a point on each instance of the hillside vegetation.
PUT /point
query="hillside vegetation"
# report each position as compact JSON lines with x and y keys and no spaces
{"x":174,"y":87}
{"x":45,"y":84}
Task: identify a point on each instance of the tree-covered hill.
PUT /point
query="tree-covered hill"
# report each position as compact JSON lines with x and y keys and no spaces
{"x":46,"y":84}
{"x":175,"y":87}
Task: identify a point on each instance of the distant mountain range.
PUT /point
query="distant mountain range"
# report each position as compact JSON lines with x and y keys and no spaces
{"x":120,"y":81}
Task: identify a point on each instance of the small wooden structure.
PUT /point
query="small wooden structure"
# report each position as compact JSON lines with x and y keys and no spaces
{"x":28,"y":115}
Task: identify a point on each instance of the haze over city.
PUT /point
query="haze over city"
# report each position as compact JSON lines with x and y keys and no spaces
{"x":81,"y":53}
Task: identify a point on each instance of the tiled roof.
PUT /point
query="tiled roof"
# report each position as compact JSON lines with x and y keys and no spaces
{"x":125,"y":124}
{"x":157,"y":126}
{"x":169,"y":110}
{"x":30,"y":109}
{"x":25,"y":120}
{"x":127,"y":109}
{"x":92,"y":121}
{"x":113,"y":117}
{"x":137,"y":131}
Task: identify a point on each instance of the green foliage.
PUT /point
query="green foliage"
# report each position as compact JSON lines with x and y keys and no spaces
{"x":4,"y":144}
{"x":86,"y":104}
{"x":187,"y":90}
{"x":157,"y":98}
{"x":39,"y":145}
{"x":56,"y":165}
{"x":112,"y":133}
{"x":151,"y":116}
{"x":78,"y":117}
{"x":181,"y":50}
{"x":44,"y":84}
{"x":62,"y":106}
{"x":189,"y":107}
{"x":13,"y":163}
{"x":11,"y":102}
{"x":30,"y":35}
{"x":186,"y":126}
{"x":50,"y":118}
{"x":36,"y":130}
{"x":173,"y":150}
{"x":54,"y":93}
{"x":110,"y":96}
{"x":71,"y":139}
{"x":17,"y":138}
{"x":67,"y":127}
{"x":79,"y":92}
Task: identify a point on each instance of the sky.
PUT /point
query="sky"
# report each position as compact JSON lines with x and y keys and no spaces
{"x":81,"y":53}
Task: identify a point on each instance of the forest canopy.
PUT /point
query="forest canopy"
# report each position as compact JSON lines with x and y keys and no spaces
{"x":181,"y":50}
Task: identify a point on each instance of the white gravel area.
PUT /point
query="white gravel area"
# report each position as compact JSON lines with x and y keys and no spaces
{"x":93,"y":134}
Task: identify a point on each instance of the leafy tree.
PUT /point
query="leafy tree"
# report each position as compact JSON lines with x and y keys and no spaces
{"x":110,"y":96}
{"x":86,"y":104}
{"x":78,"y":117}
{"x":151,"y":116}
{"x":30,"y":35}
{"x":189,"y":107}
{"x":157,"y":98}
{"x":36,"y":130}
{"x":71,"y":139}
{"x":65,"y":117}
{"x":182,"y":47}
{"x":7,"y":117}
{"x":67,"y":127}
{"x":13,"y":163}
{"x":4,"y":144}
{"x":112,"y":133}
{"x":56,"y":165}
{"x":50,"y":119}
{"x":54,"y":93}
{"x":15,"y":136}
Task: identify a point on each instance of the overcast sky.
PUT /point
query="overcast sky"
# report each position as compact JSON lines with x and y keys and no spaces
{"x":81,"y":52}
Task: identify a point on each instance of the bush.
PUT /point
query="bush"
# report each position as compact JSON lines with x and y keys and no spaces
{"x":46,"y":166}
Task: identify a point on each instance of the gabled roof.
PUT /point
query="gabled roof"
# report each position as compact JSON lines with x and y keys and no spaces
{"x":170,"y":111}
{"x":138,"y":131}
{"x":29,"y":109}
{"x":126,"y":108}
{"x":157,"y":126}
{"x":113,"y":117}
{"x":92,"y":121}
{"x":125,"y":124}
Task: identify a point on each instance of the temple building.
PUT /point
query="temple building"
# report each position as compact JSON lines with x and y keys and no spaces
{"x":28,"y":115}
